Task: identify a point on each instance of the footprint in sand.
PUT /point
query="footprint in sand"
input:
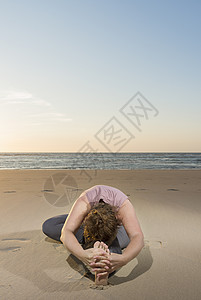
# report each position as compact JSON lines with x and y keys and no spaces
{"x":155,"y":243}
{"x":5,"y":286}
{"x":17,"y":239}
{"x":13,"y":249}
{"x":60,"y":248}
{"x":7,"y":242}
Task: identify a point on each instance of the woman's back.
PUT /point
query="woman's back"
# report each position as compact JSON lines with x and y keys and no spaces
{"x":108,"y":194}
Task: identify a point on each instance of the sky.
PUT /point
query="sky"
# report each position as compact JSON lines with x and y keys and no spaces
{"x":110,"y":75}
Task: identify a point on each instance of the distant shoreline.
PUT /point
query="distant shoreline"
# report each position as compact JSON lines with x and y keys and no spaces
{"x":102,"y":161}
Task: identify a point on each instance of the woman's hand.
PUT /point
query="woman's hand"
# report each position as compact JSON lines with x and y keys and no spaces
{"x":116,"y":261}
{"x":90,"y":254}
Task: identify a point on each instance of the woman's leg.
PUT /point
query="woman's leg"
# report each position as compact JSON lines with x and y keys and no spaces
{"x":52,"y":228}
{"x":115,"y":247}
{"x":102,"y":280}
{"x":122,"y":237}
{"x":120,"y":242}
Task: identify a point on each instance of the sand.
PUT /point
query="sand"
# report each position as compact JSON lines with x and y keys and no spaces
{"x":168,"y":207}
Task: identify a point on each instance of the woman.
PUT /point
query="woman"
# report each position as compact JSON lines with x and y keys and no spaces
{"x":101,"y":222}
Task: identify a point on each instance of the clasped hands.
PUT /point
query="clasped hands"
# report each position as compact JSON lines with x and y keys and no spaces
{"x":102,"y":261}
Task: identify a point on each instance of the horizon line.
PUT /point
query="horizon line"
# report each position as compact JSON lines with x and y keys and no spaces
{"x":70,"y":152}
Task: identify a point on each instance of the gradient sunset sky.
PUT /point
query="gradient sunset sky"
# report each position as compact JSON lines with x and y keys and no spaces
{"x":69,"y":68}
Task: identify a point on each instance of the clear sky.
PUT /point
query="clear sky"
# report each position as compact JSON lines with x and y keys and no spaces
{"x":67,"y":67}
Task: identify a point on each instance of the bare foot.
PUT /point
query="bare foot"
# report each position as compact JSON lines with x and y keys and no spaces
{"x":101,"y":280}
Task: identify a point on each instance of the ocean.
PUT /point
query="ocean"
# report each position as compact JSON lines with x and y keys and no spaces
{"x":129,"y":161}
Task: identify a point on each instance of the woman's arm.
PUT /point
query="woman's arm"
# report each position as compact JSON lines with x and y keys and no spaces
{"x":78,"y":212}
{"x":131,"y":224}
{"x":71,"y":225}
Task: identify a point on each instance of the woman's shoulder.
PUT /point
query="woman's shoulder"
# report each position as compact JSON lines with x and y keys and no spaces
{"x":90,"y":194}
{"x":83,"y":199}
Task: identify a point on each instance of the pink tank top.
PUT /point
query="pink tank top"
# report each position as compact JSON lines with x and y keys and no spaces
{"x":109,"y":195}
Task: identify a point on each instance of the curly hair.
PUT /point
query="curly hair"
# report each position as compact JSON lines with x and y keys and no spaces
{"x":100,"y":224}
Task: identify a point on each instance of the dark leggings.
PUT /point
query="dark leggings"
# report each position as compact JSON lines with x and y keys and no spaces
{"x":52,"y":228}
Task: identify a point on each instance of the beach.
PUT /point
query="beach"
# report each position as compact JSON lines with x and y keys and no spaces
{"x":168,"y":207}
